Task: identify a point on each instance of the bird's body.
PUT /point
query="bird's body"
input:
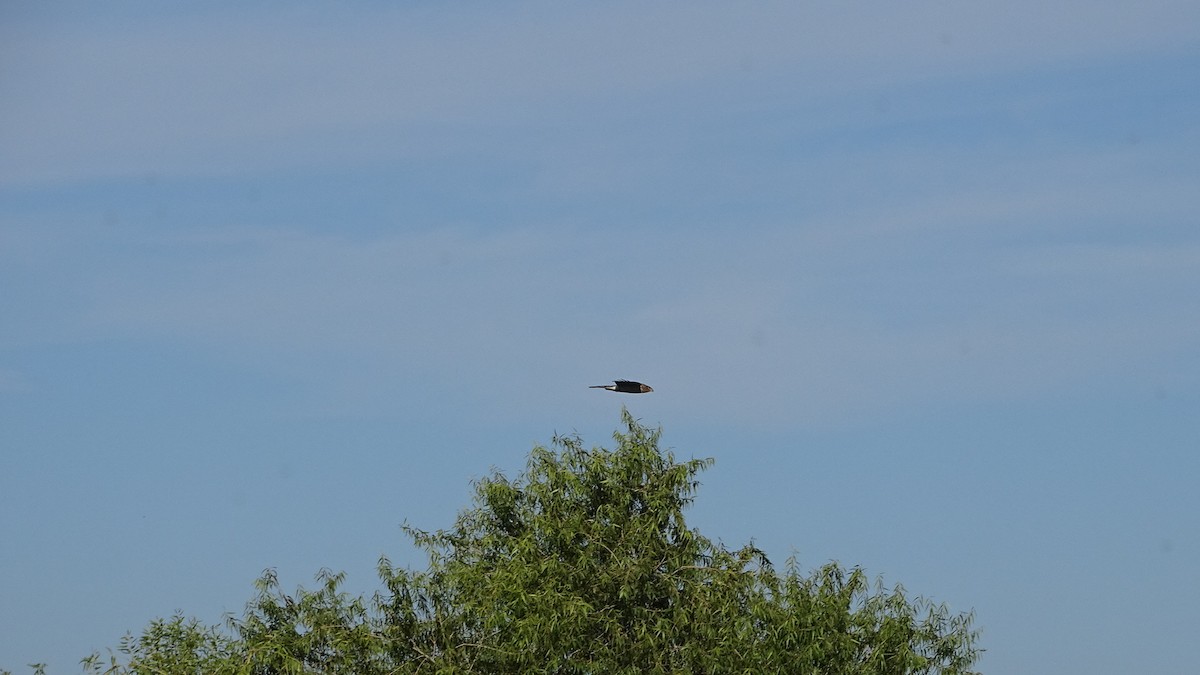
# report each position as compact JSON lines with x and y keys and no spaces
{"x":624,"y":387}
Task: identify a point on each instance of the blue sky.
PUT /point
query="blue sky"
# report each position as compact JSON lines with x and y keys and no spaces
{"x":924,"y":279}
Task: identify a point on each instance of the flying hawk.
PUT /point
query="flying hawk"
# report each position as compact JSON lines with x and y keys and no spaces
{"x":624,"y":386}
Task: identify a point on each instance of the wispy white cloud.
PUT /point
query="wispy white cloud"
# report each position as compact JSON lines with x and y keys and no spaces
{"x":266,"y":88}
{"x":1137,"y":263}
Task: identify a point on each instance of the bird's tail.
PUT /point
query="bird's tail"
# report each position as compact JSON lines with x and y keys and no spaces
{"x":599,"y":386}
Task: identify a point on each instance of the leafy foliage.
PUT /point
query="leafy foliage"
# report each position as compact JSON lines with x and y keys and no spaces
{"x":584,"y":564}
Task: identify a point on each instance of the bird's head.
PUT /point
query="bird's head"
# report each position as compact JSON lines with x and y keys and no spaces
{"x":646,"y":388}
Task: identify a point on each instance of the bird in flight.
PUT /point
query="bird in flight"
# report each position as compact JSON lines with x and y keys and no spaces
{"x":625,"y":387}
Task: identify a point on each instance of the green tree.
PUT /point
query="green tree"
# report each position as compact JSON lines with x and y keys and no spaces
{"x":583,"y":564}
